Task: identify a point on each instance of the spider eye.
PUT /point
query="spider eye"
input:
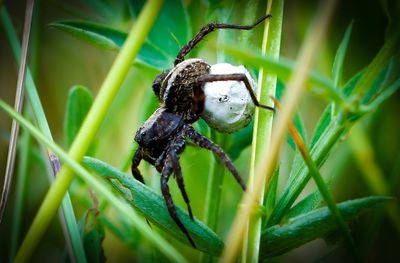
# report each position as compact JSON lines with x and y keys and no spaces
{"x":158,"y":81}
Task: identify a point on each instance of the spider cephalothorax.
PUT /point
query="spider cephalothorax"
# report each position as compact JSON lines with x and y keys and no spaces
{"x":182,"y":101}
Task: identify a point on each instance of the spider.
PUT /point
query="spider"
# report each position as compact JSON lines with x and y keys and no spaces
{"x":180,"y":92}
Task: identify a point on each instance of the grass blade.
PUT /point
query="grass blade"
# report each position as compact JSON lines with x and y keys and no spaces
{"x":279,"y":239}
{"x":97,"y":185}
{"x":92,"y":122}
{"x":67,"y":216}
{"x":284,"y":68}
{"x":19,"y":98}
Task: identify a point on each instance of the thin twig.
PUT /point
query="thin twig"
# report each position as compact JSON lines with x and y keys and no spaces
{"x":19,"y":99}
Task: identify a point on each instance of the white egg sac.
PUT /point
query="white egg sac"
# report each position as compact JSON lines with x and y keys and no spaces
{"x":228,"y":105}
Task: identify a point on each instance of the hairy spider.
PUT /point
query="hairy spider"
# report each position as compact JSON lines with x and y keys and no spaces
{"x":180,"y":91}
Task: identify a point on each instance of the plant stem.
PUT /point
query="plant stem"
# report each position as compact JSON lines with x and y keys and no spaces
{"x":214,"y":189}
{"x":98,"y":185}
{"x":292,"y":95}
{"x":91,"y":124}
{"x":19,"y":100}
{"x":262,"y":130}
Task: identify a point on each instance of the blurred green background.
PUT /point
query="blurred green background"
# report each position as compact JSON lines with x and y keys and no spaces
{"x":60,"y":61}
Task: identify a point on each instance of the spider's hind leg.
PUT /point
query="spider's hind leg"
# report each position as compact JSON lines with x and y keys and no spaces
{"x":165,"y":174}
{"x":203,"y":142}
{"x":238,"y":77}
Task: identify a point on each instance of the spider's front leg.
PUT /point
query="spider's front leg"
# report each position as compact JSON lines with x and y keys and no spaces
{"x":165,"y":175}
{"x":176,"y":146}
{"x":208,"y":29}
{"x":135,"y":163}
{"x":203,"y":142}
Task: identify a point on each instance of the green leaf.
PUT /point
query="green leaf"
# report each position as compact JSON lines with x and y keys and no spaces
{"x":170,"y":32}
{"x":299,"y":125}
{"x":152,"y":206}
{"x":93,"y":33}
{"x":80,"y":100}
{"x":109,"y":38}
{"x":337,"y":70}
{"x":300,"y":175}
{"x":351,"y":84}
{"x":387,"y":93}
{"x":378,"y":84}
{"x":93,"y":236}
{"x":321,"y":126}
{"x":305,"y":205}
{"x":279,"y":239}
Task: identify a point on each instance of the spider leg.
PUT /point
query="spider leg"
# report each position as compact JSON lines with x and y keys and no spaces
{"x":237,"y":77}
{"x":179,"y":178}
{"x":208,"y":29}
{"x":165,"y":174}
{"x":135,"y":163}
{"x":203,"y":142}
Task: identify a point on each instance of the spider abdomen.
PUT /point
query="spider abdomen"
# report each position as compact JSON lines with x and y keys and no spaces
{"x":181,"y":92}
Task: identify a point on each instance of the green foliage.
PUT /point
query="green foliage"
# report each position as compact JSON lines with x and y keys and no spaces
{"x":170,"y":32}
{"x":318,"y":223}
{"x":152,"y":206}
{"x":93,"y":236}
{"x":289,"y":219}
{"x":79,"y":102}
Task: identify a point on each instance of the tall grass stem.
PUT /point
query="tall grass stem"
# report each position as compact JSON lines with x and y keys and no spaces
{"x":292,"y":95}
{"x":263,"y":119}
{"x":90,"y":126}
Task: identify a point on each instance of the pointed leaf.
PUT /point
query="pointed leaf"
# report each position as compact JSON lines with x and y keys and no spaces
{"x":152,"y":206}
{"x":337,"y":70}
{"x":80,"y":100}
{"x":109,"y":38}
{"x":279,"y":239}
{"x":93,"y":33}
{"x":305,"y":205}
